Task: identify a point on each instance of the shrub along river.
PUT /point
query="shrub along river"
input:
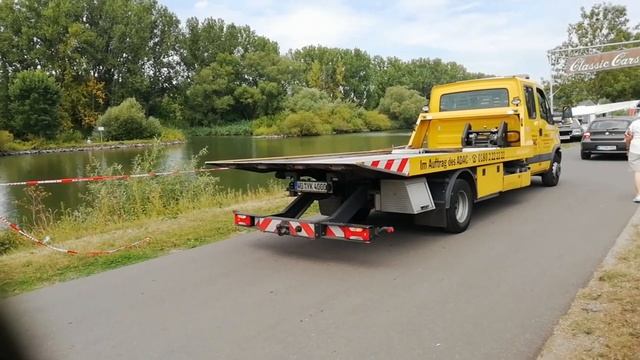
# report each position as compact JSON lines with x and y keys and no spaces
{"x":64,"y":165}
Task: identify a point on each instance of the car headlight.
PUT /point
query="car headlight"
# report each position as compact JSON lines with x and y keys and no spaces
{"x":576,"y":132}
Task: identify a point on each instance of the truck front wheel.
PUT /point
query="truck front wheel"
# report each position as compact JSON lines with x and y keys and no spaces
{"x":461,"y":207}
{"x":552,"y":177}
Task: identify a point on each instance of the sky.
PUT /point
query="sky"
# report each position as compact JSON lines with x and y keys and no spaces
{"x":505,"y":37}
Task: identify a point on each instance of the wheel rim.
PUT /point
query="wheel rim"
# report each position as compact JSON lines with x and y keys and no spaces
{"x":462,"y":207}
{"x":557,"y":169}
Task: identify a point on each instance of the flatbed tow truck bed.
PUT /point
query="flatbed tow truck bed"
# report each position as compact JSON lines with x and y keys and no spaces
{"x":398,"y":162}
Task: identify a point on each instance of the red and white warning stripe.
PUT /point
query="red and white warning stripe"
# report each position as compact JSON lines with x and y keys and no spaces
{"x":104,"y":178}
{"x":306,"y":230}
{"x":267,"y":224}
{"x":400,"y":166}
{"x":348,"y":233}
{"x":296,"y":228}
{"x":39,"y":242}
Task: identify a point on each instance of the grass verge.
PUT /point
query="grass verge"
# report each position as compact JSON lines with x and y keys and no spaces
{"x":28,"y":268}
{"x":604,"y":319}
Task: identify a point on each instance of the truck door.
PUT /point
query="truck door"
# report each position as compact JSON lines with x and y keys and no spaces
{"x":546,"y":129}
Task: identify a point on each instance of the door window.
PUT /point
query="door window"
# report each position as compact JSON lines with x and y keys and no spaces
{"x":530,"y":101}
{"x":545,"y":111}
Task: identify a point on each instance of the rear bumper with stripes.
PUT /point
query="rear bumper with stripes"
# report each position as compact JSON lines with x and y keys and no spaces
{"x":311,"y":229}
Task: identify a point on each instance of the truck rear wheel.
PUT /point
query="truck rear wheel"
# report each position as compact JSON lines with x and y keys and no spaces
{"x":552,"y":177}
{"x":461,"y":207}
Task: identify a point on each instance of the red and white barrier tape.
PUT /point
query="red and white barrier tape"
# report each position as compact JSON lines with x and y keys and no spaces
{"x":103,"y":178}
{"x":17,"y":229}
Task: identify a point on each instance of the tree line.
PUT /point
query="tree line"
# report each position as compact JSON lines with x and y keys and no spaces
{"x":63,"y":63}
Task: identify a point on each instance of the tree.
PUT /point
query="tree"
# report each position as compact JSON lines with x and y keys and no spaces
{"x":35,"y":101}
{"x":127,"y":121}
{"x":601,"y":24}
{"x":402,"y":105}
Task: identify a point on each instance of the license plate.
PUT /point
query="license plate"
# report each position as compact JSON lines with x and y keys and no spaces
{"x":565,"y":137}
{"x":606,"y":147}
{"x":312,"y":186}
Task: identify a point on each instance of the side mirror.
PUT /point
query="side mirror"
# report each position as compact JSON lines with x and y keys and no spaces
{"x":566,"y":112}
{"x":425,"y":108}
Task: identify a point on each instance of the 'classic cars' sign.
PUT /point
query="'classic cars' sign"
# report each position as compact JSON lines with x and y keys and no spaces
{"x":603,"y":61}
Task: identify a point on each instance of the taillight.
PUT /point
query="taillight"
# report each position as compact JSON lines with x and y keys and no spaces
{"x":586,"y":136}
{"x":243,"y":220}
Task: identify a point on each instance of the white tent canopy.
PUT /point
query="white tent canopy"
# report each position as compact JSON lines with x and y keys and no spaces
{"x":604,"y":108}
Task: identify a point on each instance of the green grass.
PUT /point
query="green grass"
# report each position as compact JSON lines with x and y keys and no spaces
{"x":174,"y":212}
{"x":28,"y":268}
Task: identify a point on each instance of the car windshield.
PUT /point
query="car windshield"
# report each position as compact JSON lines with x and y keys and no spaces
{"x":610,"y":125}
{"x":476,"y":99}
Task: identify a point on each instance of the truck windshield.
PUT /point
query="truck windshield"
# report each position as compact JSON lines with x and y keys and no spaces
{"x":476,"y":99}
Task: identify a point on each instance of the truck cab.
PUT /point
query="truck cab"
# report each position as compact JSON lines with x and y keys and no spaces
{"x":505,"y":112}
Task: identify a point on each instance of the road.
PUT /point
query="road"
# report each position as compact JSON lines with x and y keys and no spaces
{"x":493,"y":292}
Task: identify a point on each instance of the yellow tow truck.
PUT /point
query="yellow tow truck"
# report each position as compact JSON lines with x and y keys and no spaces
{"x":475,"y":140}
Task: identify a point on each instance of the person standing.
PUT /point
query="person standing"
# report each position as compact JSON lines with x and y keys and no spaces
{"x":632,"y":139}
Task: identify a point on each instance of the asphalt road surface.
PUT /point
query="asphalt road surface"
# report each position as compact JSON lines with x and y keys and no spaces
{"x":493,"y":292}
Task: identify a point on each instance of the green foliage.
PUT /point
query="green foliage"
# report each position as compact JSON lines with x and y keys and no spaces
{"x":602,"y":23}
{"x":202,"y":73}
{"x":307,"y":99}
{"x":71,"y":136}
{"x":119,"y":201}
{"x":376,"y":121}
{"x":35,"y":98}
{"x":6,"y":138}
{"x":9,"y":241}
{"x":127,"y":121}
{"x":304,"y":123}
{"x":168,"y":134}
{"x":239,"y":128}
{"x":401,"y":105}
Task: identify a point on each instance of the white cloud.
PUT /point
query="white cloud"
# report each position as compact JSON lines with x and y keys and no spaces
{"x":201,"y":4}
{"x":315,"y":25}
{"x":506,"y":37}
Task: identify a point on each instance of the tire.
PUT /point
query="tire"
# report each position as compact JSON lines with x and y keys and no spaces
{"x":585,"y":155}
{"x":552,"y":177}
{"x":458,"y":214}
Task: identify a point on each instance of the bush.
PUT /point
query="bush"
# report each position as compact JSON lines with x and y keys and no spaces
{"x":304,"y":123}
{"x":35,"y":100}
{"x":71,"y":136}
{"x":344,"y":119}
{"x":128,"y":122}
{"x":171,"y":134}
{"x":9,"y":241}
{"x":401,"y":105}
{"x":376,"y":121}
{"x":239,"y":128}
{"x":307,"y":99}
{"x":6,"y":138}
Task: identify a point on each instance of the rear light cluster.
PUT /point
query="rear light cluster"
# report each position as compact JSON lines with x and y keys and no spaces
{"x":586,"y":136}
{"x":243,"y":220}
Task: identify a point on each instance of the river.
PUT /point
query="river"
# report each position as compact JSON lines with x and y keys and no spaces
{"x":63,"y":165}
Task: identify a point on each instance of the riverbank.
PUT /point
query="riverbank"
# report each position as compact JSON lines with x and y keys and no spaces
{"x":112,"y":145}
{"x":604,"y":320}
